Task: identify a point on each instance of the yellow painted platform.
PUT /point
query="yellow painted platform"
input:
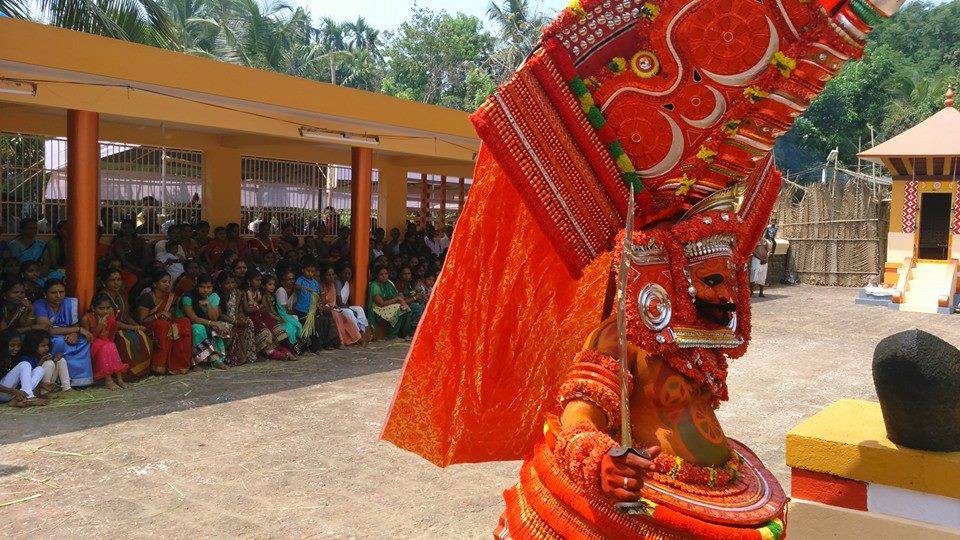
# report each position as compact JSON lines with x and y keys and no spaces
{"x":848,"y":439}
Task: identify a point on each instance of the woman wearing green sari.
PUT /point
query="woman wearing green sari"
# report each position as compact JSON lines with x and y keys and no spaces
{"x":412,"y":295}
{"x":385,"y":305}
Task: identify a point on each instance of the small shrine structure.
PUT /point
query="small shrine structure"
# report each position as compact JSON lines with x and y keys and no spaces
{"x":923,"y":244}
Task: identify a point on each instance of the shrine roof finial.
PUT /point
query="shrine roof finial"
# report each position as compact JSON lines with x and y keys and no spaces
{"x":948,"y":97}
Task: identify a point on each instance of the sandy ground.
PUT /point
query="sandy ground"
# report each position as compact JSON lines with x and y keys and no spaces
{"x":291,"y":450}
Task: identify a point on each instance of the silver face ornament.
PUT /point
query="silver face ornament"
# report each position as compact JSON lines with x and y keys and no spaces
{"x":653,"y":303}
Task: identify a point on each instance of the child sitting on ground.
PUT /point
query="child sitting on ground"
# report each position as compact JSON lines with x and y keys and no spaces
{"x":101,"y":322}
{"x":36,"y":350}
{"x":17,"y":373}
{"x":241,"y":348}
{"x":290,"y":323}
{"x":202,"y":307}
{"x":269,"y":333}
{"x":317,"y":323}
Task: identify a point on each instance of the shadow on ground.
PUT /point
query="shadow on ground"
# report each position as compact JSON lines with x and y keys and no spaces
{"x":97,"y":406}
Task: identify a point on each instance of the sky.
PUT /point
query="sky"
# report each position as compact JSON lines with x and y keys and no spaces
{"x":388,"y":14}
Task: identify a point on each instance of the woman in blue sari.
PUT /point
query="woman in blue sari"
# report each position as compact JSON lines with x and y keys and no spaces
{"x":58,"y":314}
{"x":26,"y":246}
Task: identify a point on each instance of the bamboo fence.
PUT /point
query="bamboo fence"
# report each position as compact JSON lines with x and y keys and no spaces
{"x":837,"y":230}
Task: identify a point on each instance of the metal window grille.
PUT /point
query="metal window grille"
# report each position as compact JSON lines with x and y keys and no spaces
{"x":153,"y":185}
{"x":302,"y":193}
{"x":415,"y":207}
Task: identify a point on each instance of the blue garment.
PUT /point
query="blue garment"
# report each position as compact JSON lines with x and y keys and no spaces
{"x":78,"y":354}
{"x":303,"y":300}
{"x":33,"y":252}
{"x":32,"y":360}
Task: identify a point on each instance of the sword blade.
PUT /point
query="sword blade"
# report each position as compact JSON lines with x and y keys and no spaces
{"x":626,"y":431}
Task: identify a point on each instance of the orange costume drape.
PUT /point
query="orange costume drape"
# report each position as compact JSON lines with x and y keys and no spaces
{"x":501,"y":329}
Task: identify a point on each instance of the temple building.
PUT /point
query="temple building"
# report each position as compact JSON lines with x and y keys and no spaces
{"x":923,"y":244}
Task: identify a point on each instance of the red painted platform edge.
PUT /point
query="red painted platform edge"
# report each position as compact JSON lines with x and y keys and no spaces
{"x":828,"y":489}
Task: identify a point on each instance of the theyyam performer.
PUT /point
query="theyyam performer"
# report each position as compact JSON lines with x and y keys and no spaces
{"x":597,"y":283}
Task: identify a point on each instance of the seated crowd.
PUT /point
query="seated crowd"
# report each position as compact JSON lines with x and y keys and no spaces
{"x":193,"y":300}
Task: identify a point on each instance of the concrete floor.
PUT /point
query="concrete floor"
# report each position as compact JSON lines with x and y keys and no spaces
{"x":291,"y":450}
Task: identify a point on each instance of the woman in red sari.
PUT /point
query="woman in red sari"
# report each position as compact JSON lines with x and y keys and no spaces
{"x":173,"y":350}
{"x":133,"y":343}
{"x":261,"y":244}
{"x":346,"y":327}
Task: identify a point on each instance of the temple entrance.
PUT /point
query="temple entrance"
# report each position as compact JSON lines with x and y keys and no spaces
{"x":934,"y":226}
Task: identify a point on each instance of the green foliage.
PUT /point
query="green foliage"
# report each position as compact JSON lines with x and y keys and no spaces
{"x":910,"y":60}
{"x":431,"y":57}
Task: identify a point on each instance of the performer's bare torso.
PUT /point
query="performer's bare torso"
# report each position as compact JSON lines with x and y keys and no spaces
{"x":667,"y":409}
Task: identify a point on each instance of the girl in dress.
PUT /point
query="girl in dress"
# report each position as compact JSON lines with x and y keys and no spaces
{"x":18,"y":376}
{"x":291,"y":325}
{"x":270,"y":334}
{"x":101,"y":323}
{"x":36,"y":351}
{"x":30,"y":272}
{"x":16,"y":311}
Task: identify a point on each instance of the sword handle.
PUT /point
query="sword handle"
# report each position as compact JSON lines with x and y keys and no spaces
{"x":620,"y":451}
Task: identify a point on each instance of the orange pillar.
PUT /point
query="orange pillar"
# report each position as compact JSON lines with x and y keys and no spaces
{"x":442,"y":220}
{"x":361,"y":188}
{"x":424,"y":201}
{"x":463,"y":194}
{"x":83,"y":202}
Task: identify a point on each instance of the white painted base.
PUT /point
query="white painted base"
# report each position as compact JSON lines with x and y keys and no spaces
{"x":915,"y":505}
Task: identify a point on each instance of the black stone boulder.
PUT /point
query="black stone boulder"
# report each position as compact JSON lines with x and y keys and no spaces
{"x":917,"y":377}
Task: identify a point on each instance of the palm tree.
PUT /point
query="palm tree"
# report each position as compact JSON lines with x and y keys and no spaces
{"x":195,"y":30}
{"x":361,"y":70}
{"x":332,"y":39}
{"x":256,"y":35}
{"x":519,"y":30}
{"x":141,"y":21}
{"x":913,"y":97}
{"x":14,"y":8}
{"x":363,"y":36}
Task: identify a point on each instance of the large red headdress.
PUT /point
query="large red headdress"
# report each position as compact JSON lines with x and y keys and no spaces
{"x":682,"y":100}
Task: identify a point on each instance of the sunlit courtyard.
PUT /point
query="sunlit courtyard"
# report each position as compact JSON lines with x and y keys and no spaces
{"x":291,"y":449}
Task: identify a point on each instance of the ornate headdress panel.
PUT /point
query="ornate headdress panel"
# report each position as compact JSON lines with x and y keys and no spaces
{"x":680,"y":98}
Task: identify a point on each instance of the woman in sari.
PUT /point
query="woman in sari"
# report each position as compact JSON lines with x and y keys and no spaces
{"x":412,"y":295}
{"x":129,"y":247}
{"x":285,"y":295}
{"x":346,"y":326}
{"x":154,"y":309}
{"x":202,"y":307}
{"x":386,"y":306}
{"x":261,"y":244}
{"x":133,"y":343}
{"x":26,"y":246}
{"x":58,"y":314}
{"x":188,"y":280}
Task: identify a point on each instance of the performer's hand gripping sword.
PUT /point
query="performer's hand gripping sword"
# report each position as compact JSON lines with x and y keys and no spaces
{"x":626,"y":431}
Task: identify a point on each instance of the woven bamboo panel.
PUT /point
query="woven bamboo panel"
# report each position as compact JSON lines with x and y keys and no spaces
{"x":837,"y":231}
